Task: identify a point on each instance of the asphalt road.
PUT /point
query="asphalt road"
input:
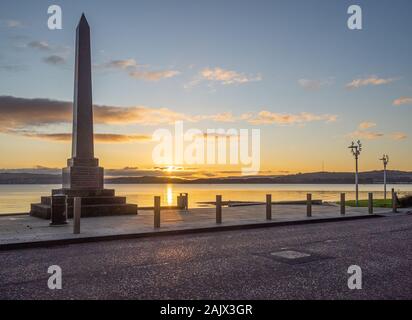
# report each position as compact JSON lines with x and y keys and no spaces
{"x":225,"y":265}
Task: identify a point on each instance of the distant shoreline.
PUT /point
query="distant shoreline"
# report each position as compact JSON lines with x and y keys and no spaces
{"x":371,"y":177}
{"x":214,"y":183}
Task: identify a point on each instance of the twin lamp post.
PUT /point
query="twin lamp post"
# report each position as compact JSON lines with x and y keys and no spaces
{"x":356,"y":149}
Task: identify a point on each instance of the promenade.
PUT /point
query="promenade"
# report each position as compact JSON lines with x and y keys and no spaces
{"x":23,"y":229}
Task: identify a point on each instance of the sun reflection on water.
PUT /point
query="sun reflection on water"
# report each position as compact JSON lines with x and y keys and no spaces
{"x":169,"y":194}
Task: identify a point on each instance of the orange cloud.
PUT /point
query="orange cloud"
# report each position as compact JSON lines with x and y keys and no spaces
{"x":367,"y":135}
{"x":219,"y":117}
{"x":399,"y":136}
{"x":99,"y":137}
{"x":267,"y":117}
{"x":223,"y":76}
{"x":121,"y":64}
{"x":367,"y":125}
{"x":17,"y":113}
{"x":154,"y":75}
{"x":371,"y":81}
{"x":137,"y":72}
{"x":402,"y":101}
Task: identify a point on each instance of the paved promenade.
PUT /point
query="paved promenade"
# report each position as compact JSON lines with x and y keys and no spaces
{"x":22,"y":229}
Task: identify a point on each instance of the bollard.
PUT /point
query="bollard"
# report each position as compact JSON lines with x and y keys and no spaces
{"x":393,"y":197}
{"x":77,"y":211}
{"x":342,"y":204}
{"x":157,"y":212}
{"x":218,"y":209}
{"x":370,"y":203}
{"x":186,"y":201}
{"x":58,"y":210}
{"x":394,"y":203}
{"x":309,"y":205}
{"x":268,"y":207}
{"x":179,"y":202}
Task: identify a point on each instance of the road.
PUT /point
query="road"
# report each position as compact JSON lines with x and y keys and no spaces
{"x":224,"y":265}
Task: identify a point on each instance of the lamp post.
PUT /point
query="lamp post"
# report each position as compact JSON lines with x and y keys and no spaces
{"x":356,"y":149}
{"x":385,"y":160}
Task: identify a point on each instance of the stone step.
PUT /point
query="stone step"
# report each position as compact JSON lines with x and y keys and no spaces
{"x":89,"y":200}
{"x":97,"y":210}
{"x":40,"y":210}
{"x":85,"y":193}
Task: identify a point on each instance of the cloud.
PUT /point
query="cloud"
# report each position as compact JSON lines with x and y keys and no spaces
{"x":40,"y":45}
{"x":59,"y":50}
{"x":370,"y":81}
{"x":99,"y":137}
{"x":137,"y":115}
{"x":367,"y":135}
{"x":219,"y":117}
{"x":312,"y":84}
{"x":54,"y":60}
{"x":267,"y":117}
{"x":137,"y":71}
{"x":402,"y":101}
{"x":154,"y":75}
{"x":17,"y":113}
{"x":20,"y":114}
{"x":398,"y":136}
{"x":121,"y":64}
{"x":366,"y":125}
{"x":222,"y":76}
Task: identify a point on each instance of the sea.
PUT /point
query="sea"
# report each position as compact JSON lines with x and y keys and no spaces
{"x":17,"y":198}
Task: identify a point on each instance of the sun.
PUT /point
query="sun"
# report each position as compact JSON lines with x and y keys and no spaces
{"x":170,"y":169}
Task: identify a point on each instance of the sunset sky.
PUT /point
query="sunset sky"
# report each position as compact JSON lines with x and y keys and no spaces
{"x":292,"y":69}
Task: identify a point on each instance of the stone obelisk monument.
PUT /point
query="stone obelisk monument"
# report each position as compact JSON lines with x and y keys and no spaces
{"x":83,"y":177}
{"x":83,"y":171}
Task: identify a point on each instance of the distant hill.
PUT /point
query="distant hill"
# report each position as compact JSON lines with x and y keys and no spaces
{"x":30,"y":178}
{"x":370,"y":177}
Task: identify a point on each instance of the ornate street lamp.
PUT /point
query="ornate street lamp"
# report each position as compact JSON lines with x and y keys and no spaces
{"x":385,"y":160}
{"x":356,"y":149}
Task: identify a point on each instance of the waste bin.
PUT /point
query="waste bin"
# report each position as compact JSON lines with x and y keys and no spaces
{"x":58,"y":210}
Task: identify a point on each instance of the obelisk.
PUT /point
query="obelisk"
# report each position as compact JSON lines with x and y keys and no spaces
{"x":83,"y":177}
{"x":83,"y":171}
{"x":83,"y":106}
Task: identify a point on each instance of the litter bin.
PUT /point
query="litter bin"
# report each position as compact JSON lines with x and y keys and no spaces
{"x":58,"y":210}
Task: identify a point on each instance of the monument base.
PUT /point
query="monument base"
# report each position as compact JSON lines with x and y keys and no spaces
{"x":95,"y":203}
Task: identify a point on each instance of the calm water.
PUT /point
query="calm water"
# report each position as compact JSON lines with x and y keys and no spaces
{"x":17,"y":198}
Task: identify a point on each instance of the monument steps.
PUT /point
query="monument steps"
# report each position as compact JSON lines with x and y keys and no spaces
{"x":98,"y":210}
{"x":88,"y":200}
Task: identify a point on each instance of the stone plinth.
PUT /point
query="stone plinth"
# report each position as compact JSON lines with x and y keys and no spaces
{"x":80,"y":177}
{"x":95,"y":203}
